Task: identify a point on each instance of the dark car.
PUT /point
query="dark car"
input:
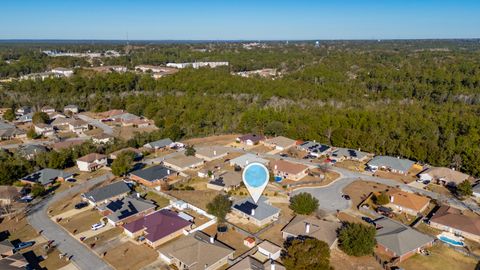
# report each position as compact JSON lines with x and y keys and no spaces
{"x":368,"y":220}
{"x":283,"y":155}
{"x":81,"y":205}
{"x":23,"y":245}
{"x":346,"y":197}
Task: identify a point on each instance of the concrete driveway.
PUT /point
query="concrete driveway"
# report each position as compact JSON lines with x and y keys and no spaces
{"x":83,"y":258}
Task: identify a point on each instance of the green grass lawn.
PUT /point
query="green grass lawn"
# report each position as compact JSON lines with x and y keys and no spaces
{"x":442,"y":257}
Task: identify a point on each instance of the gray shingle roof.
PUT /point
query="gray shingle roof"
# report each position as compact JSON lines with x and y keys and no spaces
{"x":126,"y":207}
{"x":351,"y":153}
{"x":159,"y":144}
{"x":398,"y":237}
{"x":246,"y":159}
{"x":46,"y":176}
{"x":391,"y":162}
{"x":107,"y":192}
{"x":153,"y":173}
{"x":263,"y":210}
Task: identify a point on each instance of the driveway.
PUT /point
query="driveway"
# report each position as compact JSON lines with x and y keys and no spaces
{"x":94,"y":122}
{"x":83,"y":258}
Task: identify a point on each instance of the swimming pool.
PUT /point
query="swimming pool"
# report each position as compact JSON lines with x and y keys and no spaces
{"x":454,"y":241}
{"x":256,"y":175}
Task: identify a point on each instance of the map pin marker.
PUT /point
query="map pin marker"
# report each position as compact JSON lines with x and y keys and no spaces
{"x":255,"y":177}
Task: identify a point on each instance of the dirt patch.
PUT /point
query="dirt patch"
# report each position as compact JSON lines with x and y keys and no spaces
{"x":340,"y":260}
{"x":18,"y":228}
{"x":199,"y":198}
{"x":359,"y":190}
{"x":404,"y":179}
{"x":103,"y":237}
{"x":232,"y":238}
{"x":351,"y":165}
{"x":130,"y":256}
{"x":212,"y":140}
{"x":51,"y":259}
{"x":127,"y":133}
{"x":81,"y":222}
{"x":159,"y":200}
{"x":274,"y":234}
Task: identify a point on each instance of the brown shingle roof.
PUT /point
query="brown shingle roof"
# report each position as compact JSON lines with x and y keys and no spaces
{"x":447,"y":174}
{"x":288,"y":167}
{"x":91,"y":157}
{"x":454,"y":218}
{"x":408,"y":200}
{"x":323,"y":230}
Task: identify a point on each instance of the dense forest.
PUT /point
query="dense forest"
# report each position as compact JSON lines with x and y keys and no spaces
{"x":415,"y":99}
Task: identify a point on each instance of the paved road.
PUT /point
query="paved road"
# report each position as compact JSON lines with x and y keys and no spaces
{"x":106,"y":128}
{"x":83,"y":258}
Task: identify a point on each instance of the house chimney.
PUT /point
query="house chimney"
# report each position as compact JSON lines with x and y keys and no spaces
{"x":275,"y":167}
{"x":246,"y":162}
{"x":168,"y":171}
{"x":307,"y":228}
{"x":212,"y":239}
{"x":213,"y":176}
{"x":391,"y":199}
{"x":272,"y":265}
{"x":214,"y":152}
{"x":253,"y":212}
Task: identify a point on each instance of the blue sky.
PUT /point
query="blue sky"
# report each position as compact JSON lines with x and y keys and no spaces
{"x":232,"y":19}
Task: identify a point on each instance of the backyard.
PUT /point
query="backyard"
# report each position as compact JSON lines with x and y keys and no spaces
{"x":130,"y":256}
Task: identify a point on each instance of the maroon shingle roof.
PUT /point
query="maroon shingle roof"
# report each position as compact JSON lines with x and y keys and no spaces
{"x":158,"y":224}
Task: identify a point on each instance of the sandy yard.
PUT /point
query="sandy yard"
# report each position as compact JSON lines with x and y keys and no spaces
{"x":340,"y":260}
{"x":18,"y":228}
{"x":359,"y":191}
{"x":130,"y":256}
{"x":199,"y":198}
{"x":405,"y":179}
{"x":127,"y":133}
{"x":351,"y":165}
{"x":274,"y":234}
{"x":81,"y":222}
{"x":212,"y":140}
{"x":232,"y":238}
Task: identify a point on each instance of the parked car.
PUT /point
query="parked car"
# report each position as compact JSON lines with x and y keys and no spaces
{"x":346,"y":197}
{"x":283,"y":155}
{"x":23,"y":245}
{"x":98,"y":225}
{"x":26,"y":199}
{"x":368,"y":220}
{"x":71,"y":180}
{"x":81,"y":205}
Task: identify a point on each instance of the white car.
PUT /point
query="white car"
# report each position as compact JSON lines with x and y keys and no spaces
{"x":97,"y":226}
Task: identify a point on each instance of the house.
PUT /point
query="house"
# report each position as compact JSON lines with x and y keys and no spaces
{"x":109,"y":69}
{"x":77,"y":126}
{"x":392,"y":164}
{"x":61,"y":123}
{"x":67,"y":144}
{"x":182,"y":162}
{"x":444,"y":176}
{"x":56,"y":115}
{"x":406,"y":202}
{"x":154,"y":176}
{"x":251,"y":263}
{"x":71,"y":109}
{"x":158,"y":227}
{"x":160,"y":144}
{"x":91,"y":162}
{"x":398,"y":240}
{"x":47,"y":109}
{"x":197,"y":251}
{"x":63,"y":71}
{"x":44,"y":129}
{"x":29,"y":151}
{"x":250,"y":139}
{"x":315,"y":149}
{"x":450,"y":219}
{"x":6,"y":248}
{"x":125,"y":210}
{"x":259,"y":214}
{"x":289,"y":170}
{"x":341,"y":154}
{"x":8,"y":131}
{"x":137,"y":154}
{"x":280,"y":143}
{"x":26,"y":118}
{"x":211,"y":153}
{"x":226,"y":181}
{"x":46,"y":177}
{"x":23,"y":110}
{"x":321,"y":229}
{"x":269,"y":249}
{"x":102,"y":138}
{"x":249,"y":241}
{"x":111,"y":192}
{"x":243,"y":161}
{"x":8,"y":194}
{"x":16,"y":261}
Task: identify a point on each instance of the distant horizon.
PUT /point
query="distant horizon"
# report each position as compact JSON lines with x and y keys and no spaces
{"x":215,"y":20}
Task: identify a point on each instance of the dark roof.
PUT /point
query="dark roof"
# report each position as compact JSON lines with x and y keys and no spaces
{"x":158,"y":224}
{"x":126,"y":207}
{"x":153,"y":173}
{"x":46,"y":176}
{"x":107,"y":192}
{"x":314,"y":147}
{"x":263,"y":210}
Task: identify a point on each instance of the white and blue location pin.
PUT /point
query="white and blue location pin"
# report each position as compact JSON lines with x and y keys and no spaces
{"x":255,"y":177}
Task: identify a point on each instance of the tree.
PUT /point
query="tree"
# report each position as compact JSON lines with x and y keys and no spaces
{"x":38,"y":190}
{"x":31,"y":134}
{"x":40,"y":118}
{"x":303,"y":203}
{"x":382,"y":198}
{"x":307,"y":254}
{"x":219,"y":207}
{"x":357,"y":239}
{"x":123,"y":163}
{"x":189,"y":150}
{"x":464,"y":189}
{"x":9,"y":115}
